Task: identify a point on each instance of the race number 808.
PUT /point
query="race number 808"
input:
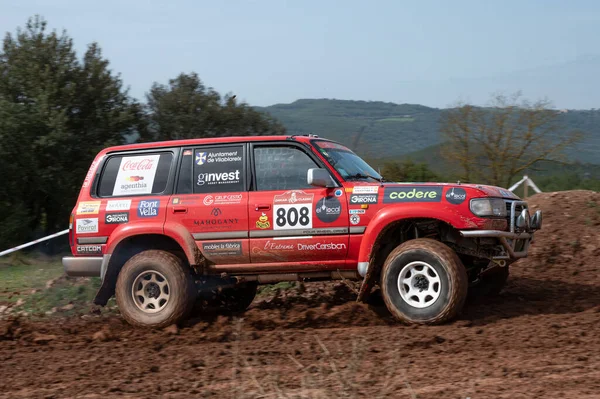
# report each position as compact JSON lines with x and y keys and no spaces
{"x":292,"y":216}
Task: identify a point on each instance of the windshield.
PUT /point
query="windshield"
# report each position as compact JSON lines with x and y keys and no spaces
{"x":349,"y":165}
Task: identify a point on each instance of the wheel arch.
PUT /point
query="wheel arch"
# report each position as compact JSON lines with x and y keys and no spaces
{"x":383,"y":239}
{"x":131,"y":245}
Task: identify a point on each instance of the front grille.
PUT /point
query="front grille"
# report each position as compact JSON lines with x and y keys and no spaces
{"x":518,"y":209}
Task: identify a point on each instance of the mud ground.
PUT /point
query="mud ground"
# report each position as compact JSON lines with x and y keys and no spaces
{"x":539,"y":338}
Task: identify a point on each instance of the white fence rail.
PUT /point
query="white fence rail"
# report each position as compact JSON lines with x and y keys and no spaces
{"x":14,"y":249}
{"x":527,"y":182}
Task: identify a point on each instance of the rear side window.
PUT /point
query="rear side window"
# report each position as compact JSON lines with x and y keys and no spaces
{"x":141,"y":174}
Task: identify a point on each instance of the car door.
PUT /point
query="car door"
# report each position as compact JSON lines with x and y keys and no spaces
{"x":211,"y":201}
{"x":291,"y":221}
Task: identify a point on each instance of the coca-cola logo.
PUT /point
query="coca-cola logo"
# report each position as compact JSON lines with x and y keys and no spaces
{"x":144,"y":164}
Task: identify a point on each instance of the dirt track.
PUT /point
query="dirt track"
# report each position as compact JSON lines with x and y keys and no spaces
{"x":538,"y":339}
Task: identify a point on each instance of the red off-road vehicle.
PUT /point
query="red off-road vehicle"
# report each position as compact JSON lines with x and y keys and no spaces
{"x":162,"y":223}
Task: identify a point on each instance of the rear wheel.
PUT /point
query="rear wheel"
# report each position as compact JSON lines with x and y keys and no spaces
{"x":155,"y":289}
{"x":423,"y":282}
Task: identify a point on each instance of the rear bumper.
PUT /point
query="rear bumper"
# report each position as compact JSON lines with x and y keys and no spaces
{"x":515,"y":245}
{"x":84,"y":266}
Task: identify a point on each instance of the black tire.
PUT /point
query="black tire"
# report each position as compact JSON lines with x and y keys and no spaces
{"x":435,"y":259}
{"x":180,"y":291}
{"x":490,"y":284}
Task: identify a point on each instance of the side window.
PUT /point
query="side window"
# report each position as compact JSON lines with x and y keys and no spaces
{"x":218,"y":169}
{"x":125,"y":175}
{"x":281,"y":168}
{"x":184,"y":181}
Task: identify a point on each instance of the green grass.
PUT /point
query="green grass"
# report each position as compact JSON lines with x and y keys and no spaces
{"x":17,"y":281}
{"x":80,"y":293}
{"x":25,"y":280}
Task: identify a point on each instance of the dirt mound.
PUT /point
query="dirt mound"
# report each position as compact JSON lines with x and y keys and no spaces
{"x":537,"y":339}
{"x":568,"y":246}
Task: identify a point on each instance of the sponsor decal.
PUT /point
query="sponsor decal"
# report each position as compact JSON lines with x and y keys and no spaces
{"x":365,"y":190}
{"x":86,"y":226}
{"x":222,"y":178}
{"x":354,"y":219}
{"x":293,"y":197}
{"x":278,"y":246}
{"x":321,"y":246}
{"x":148,"y":208}
{"x":116,"y":218}
{"x":88,"y":208}
{"x":118,"y":205}
{"x":175,"y":201}
{"x":357,"y":211}
{"x":263,"y":222}
{"x":359,"y":199}
{"x":216,"y":222}
{"x":328,"y":209}
{"x":292,"y":209}
{"x":200,"y":158}
{"x":136,"y":175}
{"x":187,"y":153}
{"x":348,"y":189}
{"x":218,"y":157}
{"x":338,"y":192}
{"x":506,"y":193}
{"x":456,"y":195}
{"x":90,"y":174}
{"x":412,"y":194}
{"x":329,"y":144}
{"x":216,"y":212}
{"x":229,"y":248}
{"x":89,"y":249}
{"x":208,"y":200}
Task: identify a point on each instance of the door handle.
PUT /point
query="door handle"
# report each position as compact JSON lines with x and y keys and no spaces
{"x":262,"y":207}
{"x":179,"y":209}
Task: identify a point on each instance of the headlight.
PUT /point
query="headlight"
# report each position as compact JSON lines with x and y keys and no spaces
{"x":488,"y":207}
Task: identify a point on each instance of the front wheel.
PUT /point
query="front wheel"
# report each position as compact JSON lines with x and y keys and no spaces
{"x":155,"y":289}
{"x":424,"y":282}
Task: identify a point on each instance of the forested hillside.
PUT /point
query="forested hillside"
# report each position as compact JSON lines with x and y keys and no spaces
{"x":391,"y":130}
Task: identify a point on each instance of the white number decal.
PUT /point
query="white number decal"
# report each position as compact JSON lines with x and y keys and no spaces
{"x":292,"y":216}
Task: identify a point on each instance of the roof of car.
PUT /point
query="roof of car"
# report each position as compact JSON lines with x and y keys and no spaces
{"x":212,"y":140}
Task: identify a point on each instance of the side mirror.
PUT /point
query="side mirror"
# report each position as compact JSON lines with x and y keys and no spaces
{"x":319,"y":177}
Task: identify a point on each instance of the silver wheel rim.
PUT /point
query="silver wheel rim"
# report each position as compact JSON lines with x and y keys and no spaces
{"x":150,"y":291}
{"x":419,"y":284}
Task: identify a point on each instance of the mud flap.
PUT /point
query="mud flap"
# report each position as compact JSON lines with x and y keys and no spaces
{"x":367,"y":284}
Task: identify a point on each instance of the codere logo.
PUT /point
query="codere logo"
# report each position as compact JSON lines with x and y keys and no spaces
{"x":412,"y":194}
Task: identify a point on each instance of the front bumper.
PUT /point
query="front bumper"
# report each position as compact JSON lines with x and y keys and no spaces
{"x":85,"y":266}
{"x":515,"y":245}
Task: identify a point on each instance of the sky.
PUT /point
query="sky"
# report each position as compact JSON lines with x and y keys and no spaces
{"x":430,"y":52}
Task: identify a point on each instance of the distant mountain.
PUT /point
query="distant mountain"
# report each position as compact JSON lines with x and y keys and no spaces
{"x":386,"y":130}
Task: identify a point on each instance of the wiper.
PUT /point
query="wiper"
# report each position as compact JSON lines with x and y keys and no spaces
{"x":365,"y":176}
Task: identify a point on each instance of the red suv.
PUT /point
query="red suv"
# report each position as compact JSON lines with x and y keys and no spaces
{"x":162,"y":223}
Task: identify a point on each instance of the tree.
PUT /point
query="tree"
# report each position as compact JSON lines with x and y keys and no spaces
{"x":56,"y":113}
{"x":408,"y":171}
{"x":186,"y":108}
{"x":496,"y":143}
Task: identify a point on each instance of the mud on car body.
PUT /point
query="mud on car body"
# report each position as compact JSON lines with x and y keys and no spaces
{"x":166,"y":223}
